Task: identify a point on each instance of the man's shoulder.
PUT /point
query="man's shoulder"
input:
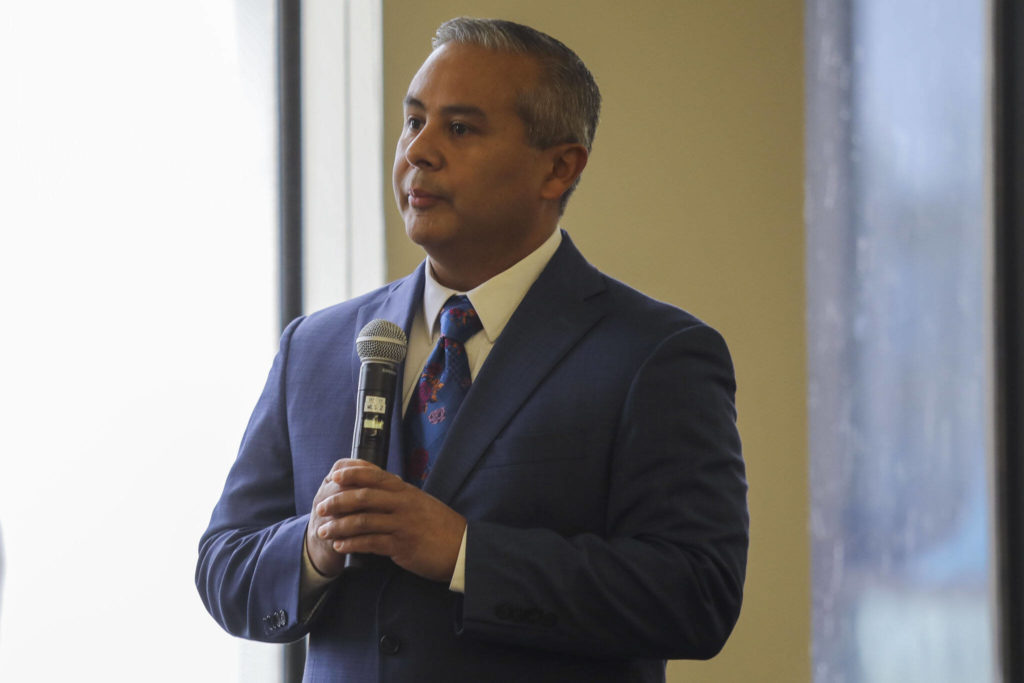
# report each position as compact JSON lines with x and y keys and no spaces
{"x":334,"y":328}
{"x":641,"y":329}
{"x":628,"y":314}
{"x":644,"y":316}
{"x":571,"y":269}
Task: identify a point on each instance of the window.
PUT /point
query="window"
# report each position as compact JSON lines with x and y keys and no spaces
{"x":137,"y":284}
{"x":900,"y":320}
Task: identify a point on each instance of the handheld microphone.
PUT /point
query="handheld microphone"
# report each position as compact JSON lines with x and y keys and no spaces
{"x":381,"y":346}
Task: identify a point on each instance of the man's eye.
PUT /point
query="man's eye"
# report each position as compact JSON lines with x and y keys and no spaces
{"x":413,"y":123}
{"x":459,"y":128}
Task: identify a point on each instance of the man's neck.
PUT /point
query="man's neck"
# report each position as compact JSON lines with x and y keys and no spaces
{"x":463,"y":272}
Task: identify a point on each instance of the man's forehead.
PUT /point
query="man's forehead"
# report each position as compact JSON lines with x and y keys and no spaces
{"x":470,"y":78}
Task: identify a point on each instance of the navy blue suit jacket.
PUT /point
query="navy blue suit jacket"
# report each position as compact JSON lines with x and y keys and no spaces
{"x":596,"y":459}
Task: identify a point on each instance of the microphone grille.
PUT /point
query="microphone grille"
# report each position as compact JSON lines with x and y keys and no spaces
{"x":381,"y":340}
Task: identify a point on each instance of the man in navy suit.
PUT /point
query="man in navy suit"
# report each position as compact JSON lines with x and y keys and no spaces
{"x":585,"y":519}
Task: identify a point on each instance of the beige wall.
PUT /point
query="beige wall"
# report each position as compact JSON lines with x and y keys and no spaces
{"x":693,"y":195}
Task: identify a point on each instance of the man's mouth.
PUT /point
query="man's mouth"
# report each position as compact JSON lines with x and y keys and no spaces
{"x":422,"y":199}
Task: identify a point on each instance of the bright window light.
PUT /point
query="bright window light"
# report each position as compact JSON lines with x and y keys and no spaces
{"x":137,"y":236}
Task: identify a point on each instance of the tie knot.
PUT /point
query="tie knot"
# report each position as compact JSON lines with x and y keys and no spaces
{"x":459,"y":321}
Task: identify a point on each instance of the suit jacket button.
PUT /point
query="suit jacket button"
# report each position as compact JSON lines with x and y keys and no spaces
{"x":389,"y":644}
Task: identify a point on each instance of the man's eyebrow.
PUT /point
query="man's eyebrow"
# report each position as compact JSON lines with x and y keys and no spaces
{"x":463,"y":110}
{"x":449,"y":110}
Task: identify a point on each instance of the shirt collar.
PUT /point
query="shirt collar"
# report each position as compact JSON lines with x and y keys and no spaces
{"x":496,"y":299}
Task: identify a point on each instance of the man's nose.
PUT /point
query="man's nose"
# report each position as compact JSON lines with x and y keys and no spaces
{"x":423,"y":150}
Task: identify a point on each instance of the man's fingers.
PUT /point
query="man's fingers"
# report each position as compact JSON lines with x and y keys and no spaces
{"x":346,"y":463}
{"x":365,"y":475}
{"x":386,"y":516}
{"x":350,"y":501}
{"x":330,"y":486}
{"x":359,"y":524}
{"x":374,"y":544}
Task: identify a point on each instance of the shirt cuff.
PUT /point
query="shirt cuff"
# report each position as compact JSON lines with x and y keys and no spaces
{"x":311,"y":583}
{"x":458,"y":584}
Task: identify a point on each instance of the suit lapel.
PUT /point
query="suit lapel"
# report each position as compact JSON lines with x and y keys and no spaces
{"x":556,"y":312}
{"x":400,"y":306}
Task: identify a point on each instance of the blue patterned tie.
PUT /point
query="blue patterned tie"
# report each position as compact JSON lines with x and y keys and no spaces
{"x":440,"y":390}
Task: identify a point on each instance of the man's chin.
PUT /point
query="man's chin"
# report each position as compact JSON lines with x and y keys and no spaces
{"x":428,"y":233}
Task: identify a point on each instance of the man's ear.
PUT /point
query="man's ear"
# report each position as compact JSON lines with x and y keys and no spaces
{"x":567,"y":162}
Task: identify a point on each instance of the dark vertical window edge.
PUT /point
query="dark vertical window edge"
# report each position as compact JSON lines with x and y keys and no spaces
{"x":289,"y":98}
{"x":1008,"y":143}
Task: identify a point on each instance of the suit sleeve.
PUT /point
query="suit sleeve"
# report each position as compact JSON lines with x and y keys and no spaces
{"x":250,"y":557}
{"x":665,"y":580}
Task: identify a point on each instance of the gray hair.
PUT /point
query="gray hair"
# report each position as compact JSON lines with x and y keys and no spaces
{"x":565,"y":105}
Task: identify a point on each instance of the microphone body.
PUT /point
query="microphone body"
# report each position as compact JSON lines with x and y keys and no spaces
{"x":381,"y":346}
{"x":374,"y":409}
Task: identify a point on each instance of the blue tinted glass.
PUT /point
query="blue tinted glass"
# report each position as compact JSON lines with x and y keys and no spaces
{"x":898,"y":240}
